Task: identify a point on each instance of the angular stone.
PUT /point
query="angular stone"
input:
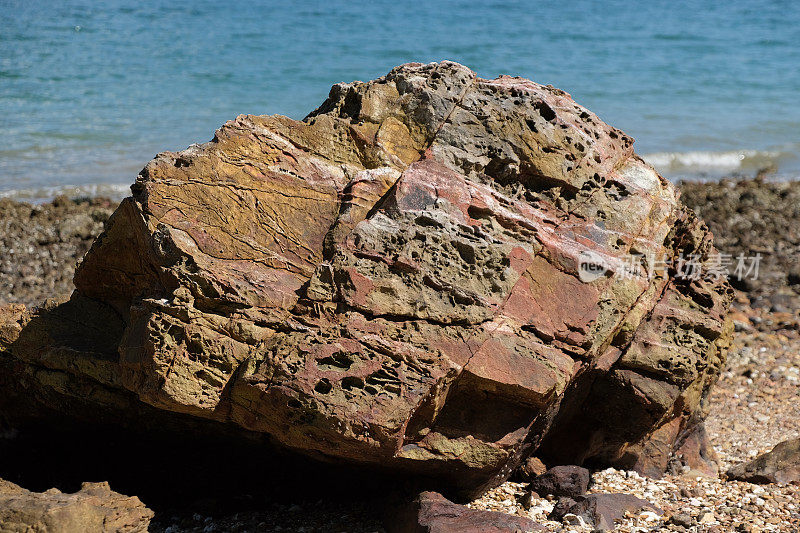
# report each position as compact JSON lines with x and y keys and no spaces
{"x":433,"y":513}
{"x":602,"y":511}
{"x":530,"y":469}
{"x":395,"y":281}
{"x":694,"y":450}
{"x":566,"y":480}
{"x":779,"y":465}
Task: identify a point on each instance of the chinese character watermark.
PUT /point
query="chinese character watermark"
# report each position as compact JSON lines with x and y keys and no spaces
{"x":592,"y":266}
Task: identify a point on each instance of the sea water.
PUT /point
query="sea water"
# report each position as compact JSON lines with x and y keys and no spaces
{"x":90,"y":91}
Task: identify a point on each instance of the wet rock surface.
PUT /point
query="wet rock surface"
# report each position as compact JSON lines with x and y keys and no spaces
{"x":396,"y":281}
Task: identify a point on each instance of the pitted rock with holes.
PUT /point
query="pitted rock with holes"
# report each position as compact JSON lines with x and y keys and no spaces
{"x":394,"y":281}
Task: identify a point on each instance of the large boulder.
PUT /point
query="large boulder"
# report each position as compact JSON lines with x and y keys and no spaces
{"x":431,"y":273}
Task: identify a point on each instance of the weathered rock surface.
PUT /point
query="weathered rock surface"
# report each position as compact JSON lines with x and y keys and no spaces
{"x":396,"y":281}
{"x":93,"y":509}
{"x":433,"y":513}
{"x":779,"y":465}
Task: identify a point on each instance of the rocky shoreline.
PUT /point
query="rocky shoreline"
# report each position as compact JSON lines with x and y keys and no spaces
{"x":753,"y":407}
{"x":434,"y":282}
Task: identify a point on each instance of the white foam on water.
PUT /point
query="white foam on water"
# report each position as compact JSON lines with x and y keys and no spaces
{"x":715,"y":162}
{"x":115,"y":191}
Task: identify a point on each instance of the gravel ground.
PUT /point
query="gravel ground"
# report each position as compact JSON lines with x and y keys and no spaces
{"x":41,"y":245}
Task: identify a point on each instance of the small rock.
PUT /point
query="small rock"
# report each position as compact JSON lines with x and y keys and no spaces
{"x":602,"y":510}
{"x":561,"y":508}
{"x":571,"y":481}
{"x":574,"y":520}
{"x":692,"y":492}
{"x":433,"y":513}
{"x":531,"y":468}
{"x":681,"y":519}
{"x":707,"y":518}
{"x":527,"y":500}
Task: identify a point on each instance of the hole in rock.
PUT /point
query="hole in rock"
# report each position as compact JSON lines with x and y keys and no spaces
{"x":545,"y":110}
{"x":337,"y":361}
{"x":294,"y":404}
{"x":323,"y":386}
{"x":351,"y":382}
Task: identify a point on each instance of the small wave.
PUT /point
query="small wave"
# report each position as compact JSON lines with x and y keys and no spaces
{"x":714,"y":162}
{"x":115,"y":191}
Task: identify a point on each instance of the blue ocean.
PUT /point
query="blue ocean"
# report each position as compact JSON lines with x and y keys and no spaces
{"x":90,"y":91}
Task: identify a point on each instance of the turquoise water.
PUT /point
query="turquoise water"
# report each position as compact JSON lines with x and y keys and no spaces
{"x":89,"y":93}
